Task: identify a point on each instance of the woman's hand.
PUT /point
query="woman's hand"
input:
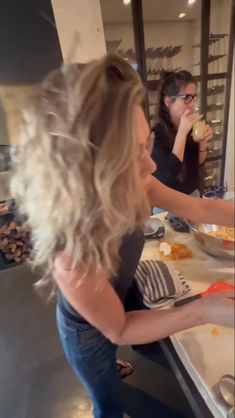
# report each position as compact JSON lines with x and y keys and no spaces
{"x":203,"y":145}
{"x":186,"y":123}
{"x":187,"y":120}
{"x":218,"y":308}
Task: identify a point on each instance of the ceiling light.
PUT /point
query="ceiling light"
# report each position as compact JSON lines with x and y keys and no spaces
{"x":190,"y":2}
{"x":182,"y":15}
{"x":126,"y":2}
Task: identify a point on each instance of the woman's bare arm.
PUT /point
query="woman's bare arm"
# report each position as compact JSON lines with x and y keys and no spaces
{"x":211,"y":211}
{"x":96,"y":300}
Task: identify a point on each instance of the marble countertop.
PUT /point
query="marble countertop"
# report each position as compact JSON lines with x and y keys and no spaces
{"x":207,"y":352}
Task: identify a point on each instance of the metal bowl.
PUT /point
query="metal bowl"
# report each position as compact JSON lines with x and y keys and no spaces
{"x":154,"y":228}
{"x":216,"y":246}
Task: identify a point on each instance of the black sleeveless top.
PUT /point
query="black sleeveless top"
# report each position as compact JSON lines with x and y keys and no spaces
{"x":130,"y":253}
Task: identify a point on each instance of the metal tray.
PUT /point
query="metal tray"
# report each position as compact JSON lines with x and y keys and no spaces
{"x":154,"y":228}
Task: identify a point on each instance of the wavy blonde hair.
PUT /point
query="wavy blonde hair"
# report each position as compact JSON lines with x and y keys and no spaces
{"x":76,"y":172}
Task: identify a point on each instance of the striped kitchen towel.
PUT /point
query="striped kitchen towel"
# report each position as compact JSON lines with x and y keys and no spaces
{"x":159,"y":283}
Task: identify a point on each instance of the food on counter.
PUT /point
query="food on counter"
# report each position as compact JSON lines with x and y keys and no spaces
{"x":165,"y":248}
{"x":227,"y":233}
{"x":215,"y":332}
{"x":175,"y":251}
{"x":15,"y":241}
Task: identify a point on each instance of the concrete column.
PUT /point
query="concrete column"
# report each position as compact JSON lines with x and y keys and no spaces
{"x":80,"y":29}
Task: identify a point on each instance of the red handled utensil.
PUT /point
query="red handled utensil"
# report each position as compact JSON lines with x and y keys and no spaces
{"x":214,"y":288}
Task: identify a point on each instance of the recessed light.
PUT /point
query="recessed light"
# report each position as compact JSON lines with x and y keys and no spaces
{"x":126,"y":2}
{"x":182,"y":15}
{"x":190,"y":2}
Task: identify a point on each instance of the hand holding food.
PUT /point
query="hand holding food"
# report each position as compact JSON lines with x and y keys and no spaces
{"x":207,"y":138}
{"x":187,"y":121}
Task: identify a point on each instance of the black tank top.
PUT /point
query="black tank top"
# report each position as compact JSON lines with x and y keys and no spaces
{"x":130,"y":253}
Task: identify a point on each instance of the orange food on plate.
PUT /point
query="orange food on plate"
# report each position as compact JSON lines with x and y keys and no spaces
{"x":179,"y":252}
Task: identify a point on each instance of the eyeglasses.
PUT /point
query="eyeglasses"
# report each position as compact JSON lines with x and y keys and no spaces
{"x":187,"y":98}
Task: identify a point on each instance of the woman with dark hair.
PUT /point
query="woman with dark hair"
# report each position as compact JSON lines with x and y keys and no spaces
{"x":175,"y":152}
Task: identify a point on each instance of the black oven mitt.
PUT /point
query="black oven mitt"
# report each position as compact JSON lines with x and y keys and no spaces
{"x":177,"y":223}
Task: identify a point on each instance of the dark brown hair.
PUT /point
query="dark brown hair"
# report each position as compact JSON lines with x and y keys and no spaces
{"x":170,"y":85}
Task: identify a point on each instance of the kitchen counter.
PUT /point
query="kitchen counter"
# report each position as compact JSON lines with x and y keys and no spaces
{"x":207,"y":352}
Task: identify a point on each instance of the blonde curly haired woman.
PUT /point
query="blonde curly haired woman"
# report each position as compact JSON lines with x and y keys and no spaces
{"x":83,"y":177}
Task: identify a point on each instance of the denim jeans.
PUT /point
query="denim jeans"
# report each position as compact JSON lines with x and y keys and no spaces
{"x":93,"y":359}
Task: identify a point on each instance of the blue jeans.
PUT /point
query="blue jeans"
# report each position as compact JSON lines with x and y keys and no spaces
{"x":93,"y":359}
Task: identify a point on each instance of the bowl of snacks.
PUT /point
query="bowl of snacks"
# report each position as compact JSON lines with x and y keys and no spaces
{"x":214,"y":239}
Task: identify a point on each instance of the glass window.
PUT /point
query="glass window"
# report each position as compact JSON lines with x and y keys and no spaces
{"x":118,"y":29}
{"x":212,"y":173}
{"x":171,"y":42}
{"x":215,"y":114}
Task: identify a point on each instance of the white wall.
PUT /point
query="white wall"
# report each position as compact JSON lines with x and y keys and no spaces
{"x":229,"y":166}
{"x":80,"y":29}
{"x":219,"y":23}
{"x":171,"y":34}
{"x":196,"y":52}
{"x":156,"y":35}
